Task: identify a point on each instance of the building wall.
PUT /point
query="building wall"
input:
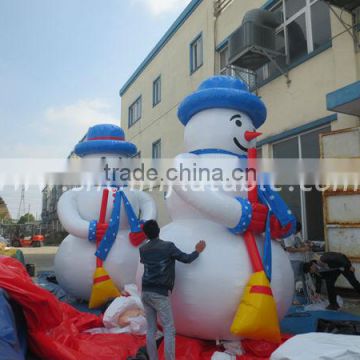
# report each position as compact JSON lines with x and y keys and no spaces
{"x":231,"y":17}
{"x":345,"y":65}
{"x":289,"y":107}
{"x":305,"y":99}
{"x":172,"y":63}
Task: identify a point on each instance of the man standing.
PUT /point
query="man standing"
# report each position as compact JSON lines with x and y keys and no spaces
{"x":159,"y":258}
{"x":330,"y":266}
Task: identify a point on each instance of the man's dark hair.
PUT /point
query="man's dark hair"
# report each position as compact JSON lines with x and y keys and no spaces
{"x":307,"y":266}
{"x":298,"y":226}
{"x":151,"y":229}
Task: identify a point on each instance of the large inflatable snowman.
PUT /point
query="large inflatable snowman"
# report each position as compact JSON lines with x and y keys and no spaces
{"x":79,"y":209}
{"x":220,"y":120}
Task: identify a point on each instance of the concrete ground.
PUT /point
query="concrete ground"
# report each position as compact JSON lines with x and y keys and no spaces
{"x":41,"y":257}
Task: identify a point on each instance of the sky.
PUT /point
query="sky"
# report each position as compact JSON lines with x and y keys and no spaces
{"x":62,"y":64}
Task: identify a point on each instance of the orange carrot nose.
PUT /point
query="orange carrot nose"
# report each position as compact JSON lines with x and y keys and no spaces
{"x":250,"y":135}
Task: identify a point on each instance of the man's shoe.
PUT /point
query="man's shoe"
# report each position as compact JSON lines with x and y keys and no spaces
{"x":333,"y":307}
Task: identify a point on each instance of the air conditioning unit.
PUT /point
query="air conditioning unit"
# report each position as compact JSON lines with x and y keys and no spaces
{"x":254,"y":38}
{"x":348,"y":5}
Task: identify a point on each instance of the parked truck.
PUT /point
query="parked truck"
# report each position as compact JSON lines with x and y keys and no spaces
{"x":23,"y":235}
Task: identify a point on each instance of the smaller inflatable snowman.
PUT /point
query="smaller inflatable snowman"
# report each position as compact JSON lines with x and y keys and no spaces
{"x":220,"y":120}
{"x":79,"y":210}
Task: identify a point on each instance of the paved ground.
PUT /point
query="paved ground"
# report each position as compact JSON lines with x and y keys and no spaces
{"x":42,"y":257}
{"x":351,"y":305}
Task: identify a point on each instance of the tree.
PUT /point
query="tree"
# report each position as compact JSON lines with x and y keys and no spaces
{"x":27,"y":218}
{"x":5,"y":219}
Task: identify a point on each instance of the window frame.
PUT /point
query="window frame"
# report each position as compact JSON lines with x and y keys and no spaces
{"x":308,"y":23}
{"x":156,"y":100}
{"x":154,"y":144}
{"x":306,"y":10}
{"x":195,"y":66}
{"x":131,"y":122}
{"x":302,"y":194}
{"x":223,"y":70}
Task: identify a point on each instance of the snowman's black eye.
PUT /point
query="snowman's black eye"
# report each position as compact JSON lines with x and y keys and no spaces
{"x":237,"y":122}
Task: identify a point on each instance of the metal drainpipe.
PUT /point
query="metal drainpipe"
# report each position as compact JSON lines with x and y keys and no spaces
{"x":216,"y":15}
{"x":219,"y":6}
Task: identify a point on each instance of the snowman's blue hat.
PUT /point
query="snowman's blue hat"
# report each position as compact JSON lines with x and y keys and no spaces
{"x":105,"y":139}
{"x":223,"y":92}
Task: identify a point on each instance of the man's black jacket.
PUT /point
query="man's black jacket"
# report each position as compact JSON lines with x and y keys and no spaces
{"x":335,"y":263}
{"x":159,"y":257}
{"x":335,"y":260}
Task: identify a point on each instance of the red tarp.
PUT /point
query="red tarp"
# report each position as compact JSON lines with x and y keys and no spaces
{"x":56,"y":329}
{"x":191,"y":349}
{"x":195,"y":349}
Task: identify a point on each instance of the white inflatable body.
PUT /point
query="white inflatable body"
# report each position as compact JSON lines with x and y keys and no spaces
{"x":319,"y":346}
{"x":208,"y":291}
{"x":75,"y":260}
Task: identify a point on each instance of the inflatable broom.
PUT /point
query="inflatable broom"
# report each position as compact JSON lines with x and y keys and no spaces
{"x":256,"y":317}
{"x":103,"y":288}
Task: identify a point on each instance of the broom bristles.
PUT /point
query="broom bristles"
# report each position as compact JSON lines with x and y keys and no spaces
{"x":256,"y":316}
{"x":103,"y":289}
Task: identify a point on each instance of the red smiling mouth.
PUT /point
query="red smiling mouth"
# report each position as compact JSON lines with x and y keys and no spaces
{"x":249,"y":135}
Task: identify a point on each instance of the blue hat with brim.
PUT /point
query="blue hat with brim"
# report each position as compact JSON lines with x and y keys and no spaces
{"x":223,"y":92}
{"x":105,"y":139}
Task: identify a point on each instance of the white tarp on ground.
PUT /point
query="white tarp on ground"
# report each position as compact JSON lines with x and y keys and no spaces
{"x":319,"y":346}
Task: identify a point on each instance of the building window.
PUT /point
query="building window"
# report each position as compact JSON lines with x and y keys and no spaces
{"x":134,"y":111}
{"x":224,"y":60}
{"x":196,"y":54}
{"x":297,"y":38}
{"x":306,"y":206}
{"x":293,"y":7}
{"x":156,"y":149}
{"x":305,"y":28}
{"x":156,"y":91}
{"x":320,"y":23}
{"x":224,"y":67}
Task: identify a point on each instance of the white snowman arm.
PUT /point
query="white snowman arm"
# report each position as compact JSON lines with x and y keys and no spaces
{"x":69,"y":215}
{"x":217,"y":205}
{"x":147,"y":206}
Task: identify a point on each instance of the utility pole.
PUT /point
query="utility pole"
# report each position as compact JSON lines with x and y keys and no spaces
{"x":22,"y":203}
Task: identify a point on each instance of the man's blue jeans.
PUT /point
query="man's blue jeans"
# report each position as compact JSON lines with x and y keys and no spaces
{"x":156,"y":304}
